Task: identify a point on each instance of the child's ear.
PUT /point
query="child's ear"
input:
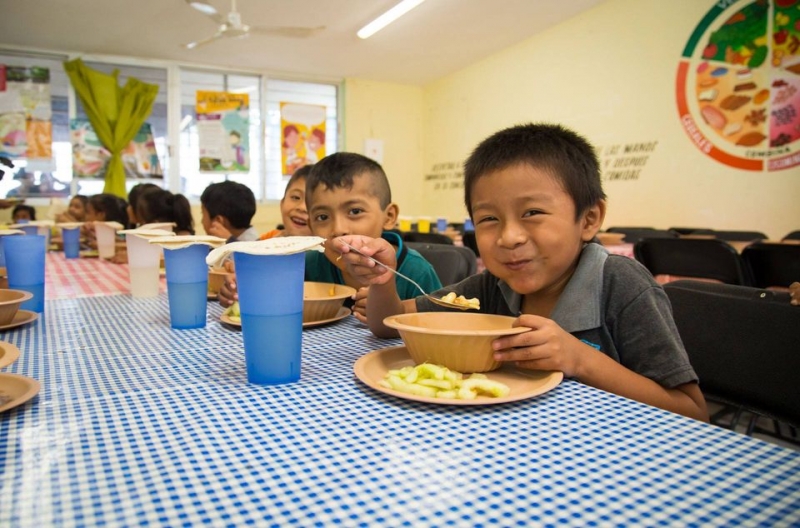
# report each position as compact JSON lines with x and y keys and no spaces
{"x":223,"y":221}
{"x":592,"y":220}
{"x":390,"y":216}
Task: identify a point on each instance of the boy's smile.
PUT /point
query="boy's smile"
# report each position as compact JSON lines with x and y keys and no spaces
{"x":526,"y":229}
{"x":293,"y":209}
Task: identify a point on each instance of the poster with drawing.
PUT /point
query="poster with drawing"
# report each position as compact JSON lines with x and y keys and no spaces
{"x":90,"y":157}
{"x":302,"y":135}
{"x":26,"y":127}
{"x":223,"y":125}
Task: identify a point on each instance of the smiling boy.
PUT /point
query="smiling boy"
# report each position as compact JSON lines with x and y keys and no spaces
{"x":535,"y":196}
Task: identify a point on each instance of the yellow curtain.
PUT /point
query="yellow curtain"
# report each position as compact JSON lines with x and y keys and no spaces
{"x":116,"y":114}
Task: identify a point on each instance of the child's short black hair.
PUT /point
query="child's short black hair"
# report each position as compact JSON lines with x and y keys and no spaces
{"x":553,"y":148}
{"x":302,"y":172}
{"x":112,"y":206}
{"x":233,"y":200}
{"x":23,"y":207}
{"x":338,"y":170}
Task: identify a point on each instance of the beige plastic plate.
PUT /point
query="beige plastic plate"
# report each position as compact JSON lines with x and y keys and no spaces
{"x":8,"y":354}
{"x":16,"y":390}
{"x":341,"y":314}
{"x":22,"y":317}
{"x":373,"y":366}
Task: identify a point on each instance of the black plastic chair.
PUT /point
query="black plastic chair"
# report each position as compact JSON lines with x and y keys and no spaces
{"x":740,"y":236}
{"x":743,"y":343}
{"x":451,"y":263}
{"x":772,"y":265}
{"x":692,"y":230}
{"x":635,"y":234}
{"x":794,"y":235}
{"x":468,"y":239}
{"x":427,"y":238}
{"x":701,"y":258}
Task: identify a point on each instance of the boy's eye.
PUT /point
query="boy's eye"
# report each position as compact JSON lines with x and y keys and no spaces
{"x":320,"y":217}
{"x":532,"y":212}
{"x":485,"y":219}
{"x":355,"y":211}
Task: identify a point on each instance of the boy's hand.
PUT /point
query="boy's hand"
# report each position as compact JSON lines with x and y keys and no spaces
{"x":360,"y":305}
{"x":546,"y":347}
{"x":228,"y":292}
{"x":361,"y":267}
{"x":218,"y":230}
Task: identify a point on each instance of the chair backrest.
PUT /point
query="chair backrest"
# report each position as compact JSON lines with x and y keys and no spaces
{"x":692,"y":230}
{"x":742,"y":236}
{"x":635,"y":234}
{"x":427,"y":238}
{"x":772,"y":264}
{"x":468,"y":239}
{"x":794,"y":235}
{"x":743,"y":343}
{"x":452,"y":263}
{"x":702,"y":258}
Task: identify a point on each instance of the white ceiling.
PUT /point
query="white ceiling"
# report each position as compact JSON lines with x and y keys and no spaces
{"x":435,"y":39}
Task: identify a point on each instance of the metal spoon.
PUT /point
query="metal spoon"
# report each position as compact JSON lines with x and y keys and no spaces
{"x":432,"y":298}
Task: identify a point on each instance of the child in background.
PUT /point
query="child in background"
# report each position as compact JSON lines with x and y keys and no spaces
{"x":534,"y":194}
{"x":76,"y":212}
{"x":293,"y":207}
{"x":102,"y":208}
{"x":349,"y":194}
{"x":158,"y":205}
{"x":23,"y":212}
{"x":228,"y":208}
{"x":133,"y":197}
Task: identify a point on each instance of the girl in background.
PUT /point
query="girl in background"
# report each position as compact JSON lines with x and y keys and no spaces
{"x":158,"y":205}
{"x":76,"y":212}
{"x":133,"y":197}
{"x":293,"y":207}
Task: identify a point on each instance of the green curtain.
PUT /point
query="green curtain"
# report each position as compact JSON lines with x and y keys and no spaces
{"x":116,"y":114}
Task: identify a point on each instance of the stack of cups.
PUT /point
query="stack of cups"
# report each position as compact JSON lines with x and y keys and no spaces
{"x":404,"y":223}
{"x":468,"y":225}
{"x":424,"y":224}
{"x":441,"y":224}
{"x":270,"y":276}
{"x":25,"y":263}
{"x":143,"y":261}
{"x":106,"y":233}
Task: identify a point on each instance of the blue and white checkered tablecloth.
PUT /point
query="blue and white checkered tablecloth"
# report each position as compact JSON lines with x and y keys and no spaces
{"x":139,"y":424}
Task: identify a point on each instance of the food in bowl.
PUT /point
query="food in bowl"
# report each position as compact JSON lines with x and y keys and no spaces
{"x":10,"y":301}
{"x":323,"y":300}
{"x":460,"y":341}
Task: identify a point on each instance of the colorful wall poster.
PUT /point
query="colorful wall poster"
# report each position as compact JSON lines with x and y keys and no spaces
{"x":90,"y":157}
{"x":302,"y":135}
{"x":223,"y":127}
{"x":738,"y":84}
{"x":26,"y":128}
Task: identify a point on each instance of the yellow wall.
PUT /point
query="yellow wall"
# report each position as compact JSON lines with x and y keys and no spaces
{"x":392,"y":113}
{"x":609,"y":74}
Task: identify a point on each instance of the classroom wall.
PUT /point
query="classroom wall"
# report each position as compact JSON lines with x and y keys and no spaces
{"x":609,"y":73}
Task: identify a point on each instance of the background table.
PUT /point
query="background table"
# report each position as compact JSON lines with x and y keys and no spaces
{"x":140,"y":424}
{"x":85,"y":277}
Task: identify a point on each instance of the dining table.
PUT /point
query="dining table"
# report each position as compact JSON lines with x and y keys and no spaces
{"x":139,"y":424}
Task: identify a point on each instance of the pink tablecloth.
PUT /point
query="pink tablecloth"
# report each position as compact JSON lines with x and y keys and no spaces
{"x":85,"y":277}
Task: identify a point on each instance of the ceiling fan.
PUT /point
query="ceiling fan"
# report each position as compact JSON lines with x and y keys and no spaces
{"x":231,"y":26}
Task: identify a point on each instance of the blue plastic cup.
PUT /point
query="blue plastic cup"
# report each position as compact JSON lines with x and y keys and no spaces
{"x":441,"y":225}
{"x":3,"y":251}
{"x":30,"y":230}
{"x":25,"y":265}
{"x":468,"y":225}
{"x":271,"y":305}
{"x":187,"y":286}
{"x":72,"y":242}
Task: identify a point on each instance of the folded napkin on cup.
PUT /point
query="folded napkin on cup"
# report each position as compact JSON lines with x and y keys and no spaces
{"x":271,"y":246}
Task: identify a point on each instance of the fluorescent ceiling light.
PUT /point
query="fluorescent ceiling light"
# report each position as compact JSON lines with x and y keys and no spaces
{"x":203,"y":6}
{"x":388,"y":17}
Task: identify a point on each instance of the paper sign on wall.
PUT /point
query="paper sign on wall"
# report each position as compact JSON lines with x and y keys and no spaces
{"x":302,"y":135}
{"x":223,"y":126}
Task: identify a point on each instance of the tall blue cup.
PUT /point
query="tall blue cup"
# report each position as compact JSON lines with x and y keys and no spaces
{"x":187,"y":285}
{"x":271,"y":304}
{"x":31,"y":230}
{"x":72,"y":242}
{"x":25,"y":266}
